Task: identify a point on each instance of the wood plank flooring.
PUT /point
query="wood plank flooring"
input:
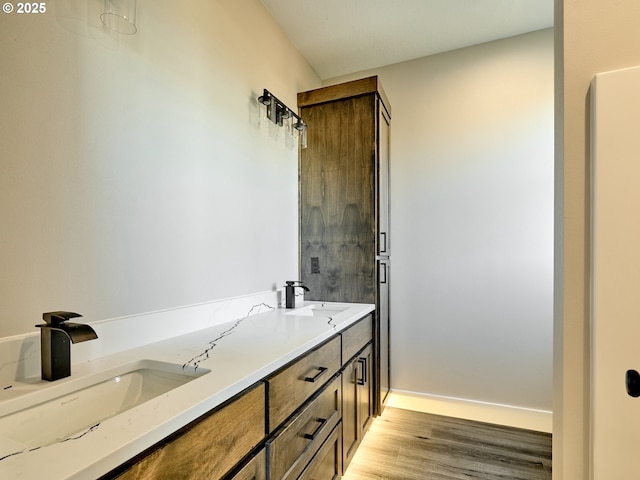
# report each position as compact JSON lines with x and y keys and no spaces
{"x":407,"y":445}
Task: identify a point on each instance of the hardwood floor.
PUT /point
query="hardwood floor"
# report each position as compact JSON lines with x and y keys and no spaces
{"x":407,"y":445}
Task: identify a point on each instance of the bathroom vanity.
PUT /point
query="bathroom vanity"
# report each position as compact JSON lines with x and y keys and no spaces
{"x":281,"y":394}
{"x":291,"y":424}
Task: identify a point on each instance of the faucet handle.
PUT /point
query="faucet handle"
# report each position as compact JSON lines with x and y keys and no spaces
{"x":296,"y":283}
{"x":56,"y":318}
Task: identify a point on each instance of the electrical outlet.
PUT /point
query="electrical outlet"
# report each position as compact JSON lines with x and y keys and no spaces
{"x":315,"y":265}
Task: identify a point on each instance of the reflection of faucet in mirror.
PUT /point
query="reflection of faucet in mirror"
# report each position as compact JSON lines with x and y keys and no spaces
{"x":55,"y":337}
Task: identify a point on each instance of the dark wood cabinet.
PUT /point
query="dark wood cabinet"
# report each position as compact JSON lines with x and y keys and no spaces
{"x":209,"y":447}
{"x":293,"y":385}
{"x":254,"y":469}
{"x":327,"y":464}
{"x":357,"y":386}
{"x":298,"y":440}
{"x":365,"y":389}
{"x":383,"y":347}
{"x":357,"y":402}
{"x":345,"y":238}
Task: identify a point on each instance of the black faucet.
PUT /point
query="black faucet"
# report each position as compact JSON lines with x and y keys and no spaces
{"x":55,"y":336}
{"x":290,"y":292}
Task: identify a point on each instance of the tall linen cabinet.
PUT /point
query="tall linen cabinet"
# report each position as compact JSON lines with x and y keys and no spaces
{"x":345,"y":242}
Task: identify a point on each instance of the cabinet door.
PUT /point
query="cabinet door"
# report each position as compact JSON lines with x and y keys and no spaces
{"x":365,"y":390}
{"x":357,"y":402}
{"x":383,"y":332}
{"x":337,"y":201}
{"x":384,"y":131}
{"x":350,"y":430}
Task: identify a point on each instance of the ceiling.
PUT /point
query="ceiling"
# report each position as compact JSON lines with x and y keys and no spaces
{"x":338,"y":37}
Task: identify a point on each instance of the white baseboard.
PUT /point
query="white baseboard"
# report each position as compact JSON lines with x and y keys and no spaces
{"x":530,"y":419}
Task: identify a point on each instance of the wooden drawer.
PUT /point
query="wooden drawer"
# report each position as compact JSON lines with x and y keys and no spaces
{"x":326,"y":465}
{"x":292,"y":386}
{"x":293,"y":447}
{"x":209,"y":447}
{"x":356,"y":337}
{"x":255,"y":469}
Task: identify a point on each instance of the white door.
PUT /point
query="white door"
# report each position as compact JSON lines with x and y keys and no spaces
{"x":615,"y":273}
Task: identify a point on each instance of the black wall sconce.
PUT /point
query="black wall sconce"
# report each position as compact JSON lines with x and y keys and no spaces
{"x":278,"y":113}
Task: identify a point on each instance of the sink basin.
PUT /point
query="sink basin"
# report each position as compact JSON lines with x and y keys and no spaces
{"x":319,"y":310}
{"x":87,"y":402}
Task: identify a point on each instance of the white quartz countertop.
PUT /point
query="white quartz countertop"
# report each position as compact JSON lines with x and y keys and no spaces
{"x":237,"y":353}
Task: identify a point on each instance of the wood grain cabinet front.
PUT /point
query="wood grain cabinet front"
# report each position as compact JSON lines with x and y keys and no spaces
{"x":294,"y":445}
{"x":345,"y":204}
{"x":327,"y":464}
{"x":209,"y":447}
{"x":357,"y":403}
{"x":357,"y":386}
{"x":355,"y":337}
{"x":254,"y":469}
{"x":288,"y":389}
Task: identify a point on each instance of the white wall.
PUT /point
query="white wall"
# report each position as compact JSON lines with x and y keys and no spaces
{"x":134,"y":173}
{"x":472,"y":222}
{"x":591,"y":37}
{"x":134,"y":176}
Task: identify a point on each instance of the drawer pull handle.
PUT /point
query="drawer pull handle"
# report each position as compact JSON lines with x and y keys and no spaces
{"x":363,"y":379}
{"x":383,"y":272}
{"x":321,"y":370}
{"x":312,"y":436}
